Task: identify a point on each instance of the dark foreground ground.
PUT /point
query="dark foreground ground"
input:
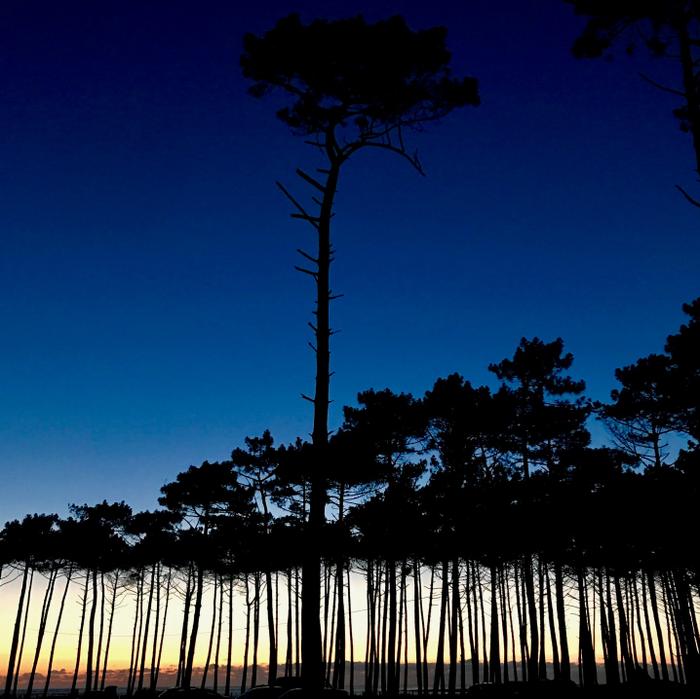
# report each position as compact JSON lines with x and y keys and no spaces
{"x":550,"y":689}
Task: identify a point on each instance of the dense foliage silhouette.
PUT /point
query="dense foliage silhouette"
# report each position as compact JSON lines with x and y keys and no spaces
{"x":491,"y":538}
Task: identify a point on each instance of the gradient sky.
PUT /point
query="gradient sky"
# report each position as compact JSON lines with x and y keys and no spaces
{"x":151,"y":316}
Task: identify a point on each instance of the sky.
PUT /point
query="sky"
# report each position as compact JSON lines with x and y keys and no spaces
{"x":151,"y":317}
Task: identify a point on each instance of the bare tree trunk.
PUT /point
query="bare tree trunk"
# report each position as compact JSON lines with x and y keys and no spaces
{"x":504,"y":621}
{"x":100,"y":640}
{"x":91,"y":633}
{"x":156,"y":674}
{"x":312,"y":665}
{"x":561,"y":616}
{"x":229,"y":645}
{"x":627,"y":664}
{"x":494,"y":648}
{"x":144,"y":644}
{"x":669,"y":626}
{"x":156,"y":630}
{"x":586,"y":651}
{"x":74,"y":683}
{"x":512,"y":627}
{"x":426,"y":630}
{"x":256,"y":629}
{"x":657,"y":625}
{"x":185,"y":627}
{"x":187,"y":679}
{"x":439,"y":677}
{"x":482,"y":614}
{"x":391,"y":650}
{"x":471,"y":624}
{"x":218,"y":635}
{"x":542,"y":666}
{"x":647,"y":626}
{"x":417,"y":604}
{"x":49,"y":667}
{"x":350,"y":635}
{"x":53,"y":574}
{"x":556,"y":666}
{"x":533,"y":663}
{"x":271,"y":636}
{"x":288,"y":661}
{"x":246,"y":649}
{"x":24,"y":632}
{"x":212,"y":630}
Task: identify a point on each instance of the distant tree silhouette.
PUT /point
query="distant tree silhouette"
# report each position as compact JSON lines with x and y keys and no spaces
{"x":669,"y":29}
{"x":350,"y":85}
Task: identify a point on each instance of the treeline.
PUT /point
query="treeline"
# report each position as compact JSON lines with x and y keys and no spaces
{"x":493,"y":542}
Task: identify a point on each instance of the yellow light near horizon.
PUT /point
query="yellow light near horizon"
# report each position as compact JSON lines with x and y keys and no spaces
{"x":123,"y":629}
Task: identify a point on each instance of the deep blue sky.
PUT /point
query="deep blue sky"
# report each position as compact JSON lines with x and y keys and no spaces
{"x":151,"y":317}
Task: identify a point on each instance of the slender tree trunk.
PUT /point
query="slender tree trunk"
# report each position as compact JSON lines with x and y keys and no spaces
{"x":146,"y":628}
{"x":512,"y":626}
{"x":417,"y":604}
{"x":638,"y":616}
{"x":256,"y":630}
{"x":100,"y":639}
{"x":18,"y":665}
{"x":156,"y":674}
{"x":185,"y":627}
{"x":561,"y":617}
{"x":289,"y":658}
{"x":74,"y":683}
{"x":156,"y":629}
{"x":533,"y":664}
{"x":657,"y":625}
{"x":53,"y":574}
{"x":91,"y":633}
{"x":229,"y":645}
{"x":439,"y":677}
{"x":110,"y":622}
{"x":218,"y":635}
{"x":556,"y":666}
{"x":351,"y":637}
{"x":212,"y":630}
{"x":391,"y":650}
{"x":494,"y":648}
{"x":426,"y":631}
{"x":136,"y":651}
{"x":482,"y":614}
{"x":647,"y":626}
{"x":246,"y":649}
{"x":339,"y":667}
{"x":586,"y":651}
{"x":49,"y":667}
{"x":625,"y":651}
{"x":542,"y":666}
{"x":272,"y":638}
{"x":669,"y":625}
{"x":196,"y":613}
{"x":504,"y":621}
{"x":522,"y":621}
{"x":471,"y":624}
